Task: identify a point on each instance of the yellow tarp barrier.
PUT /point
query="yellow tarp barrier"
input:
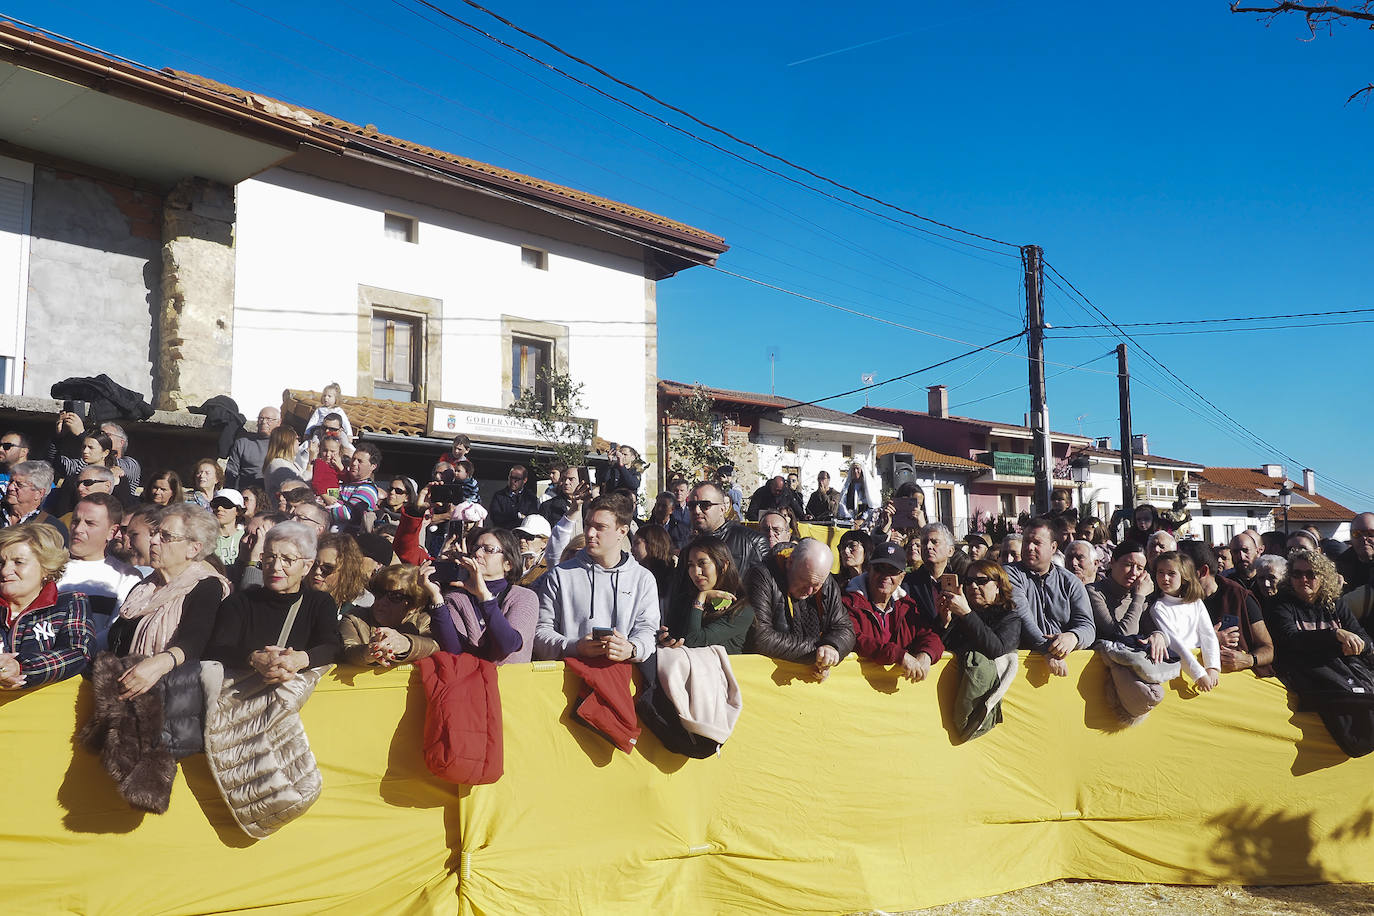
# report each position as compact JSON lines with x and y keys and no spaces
{"x":829,"y":798}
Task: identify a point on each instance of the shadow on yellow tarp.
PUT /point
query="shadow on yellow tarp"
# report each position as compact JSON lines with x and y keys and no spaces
{"x":829,"y":798}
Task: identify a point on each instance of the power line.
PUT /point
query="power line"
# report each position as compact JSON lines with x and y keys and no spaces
{"x":1276,"y":327}
{"x":1245,"y":431}
{"x":989,"y":397}
{"x":712,"y":144}
{"x":898,"y":378}
{"x":1153,"y":324}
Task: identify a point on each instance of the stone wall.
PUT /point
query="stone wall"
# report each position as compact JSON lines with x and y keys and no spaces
{"x":93,"y":278}
{"x":195,"y":343}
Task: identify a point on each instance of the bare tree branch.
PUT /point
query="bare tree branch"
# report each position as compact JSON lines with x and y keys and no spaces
{"x":1366,"y":91}
{"x":1317,"y":14}
{"x":1320,"y":11}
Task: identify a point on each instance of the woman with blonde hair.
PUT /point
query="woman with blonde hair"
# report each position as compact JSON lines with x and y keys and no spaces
{"x":396,"y":629}
{"x":1321,"y":653}
{"x":44,"y":636}
{"x":281,"y":463}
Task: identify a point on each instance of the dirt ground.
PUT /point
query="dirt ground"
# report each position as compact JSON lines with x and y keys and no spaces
{"x":1093,"y":897}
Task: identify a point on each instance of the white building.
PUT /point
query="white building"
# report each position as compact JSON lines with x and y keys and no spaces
{"x":1156,"y":482}
{"x":775,"y":436}
{"x":1227,"y":491}
{"x":191,"y":239}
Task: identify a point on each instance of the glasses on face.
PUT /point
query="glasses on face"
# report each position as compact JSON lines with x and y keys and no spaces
{"x":980,"y":580}
{"x":333,"y":429}
{"x":88,"y":481}
{"x":166,"y":538}
{"x":702,"y":504}
{"x":1363,"y":535}
{"x":1307,"y":574}
{"x":6,"y":446}
{"x":399,"y":491}
{"x":487,"y":549}
{"x":271,"y":559}
{"x":394,"y":594}
{"x":326,"y":569}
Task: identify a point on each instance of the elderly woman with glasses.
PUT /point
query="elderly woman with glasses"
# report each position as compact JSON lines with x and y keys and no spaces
{"x":1321,"y":652}
{"x":169,"y":615}
{"x":395,"y":630}
{"x":486,"y":614}
{"x":249,"y":628}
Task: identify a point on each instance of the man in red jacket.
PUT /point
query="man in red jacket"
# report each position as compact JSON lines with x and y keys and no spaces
{"x":887,"y":624}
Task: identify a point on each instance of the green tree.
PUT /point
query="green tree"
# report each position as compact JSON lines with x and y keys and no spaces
{"x":553,"y":416}
{"x":698,"y":447}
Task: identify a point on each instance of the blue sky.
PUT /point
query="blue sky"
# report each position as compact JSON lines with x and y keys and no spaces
{"x":1172,"y":166}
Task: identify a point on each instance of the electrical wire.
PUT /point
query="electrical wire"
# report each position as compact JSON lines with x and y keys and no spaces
{"x":1154,"y":324}
{"x":1276,"y":327}
{"x":989,"y":397}
{"x":903,"y":377}
{"x":1254,"y":438}
{"x":710,"y":143}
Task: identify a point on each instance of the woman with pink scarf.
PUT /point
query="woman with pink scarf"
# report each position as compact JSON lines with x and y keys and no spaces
{"x":168,"y":617}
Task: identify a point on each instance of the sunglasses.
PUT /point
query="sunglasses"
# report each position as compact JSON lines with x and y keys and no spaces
{"x":6,"y":446}
{"x":326,"y":569}
{"x":1302,"y":574}
{"x":400,"y":491}
{"x":980,"y":580}
{"x":702,"y":504}
{"x":88,"y":482}
{"x":396,"y":595}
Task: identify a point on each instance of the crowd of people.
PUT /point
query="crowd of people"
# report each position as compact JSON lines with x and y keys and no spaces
{"x":295,"y":551}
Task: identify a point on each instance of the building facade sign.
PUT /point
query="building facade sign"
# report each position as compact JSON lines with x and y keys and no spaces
{"x":483,"y":424}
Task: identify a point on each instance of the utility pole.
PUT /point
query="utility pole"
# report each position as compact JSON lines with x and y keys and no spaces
{"x":1039,"y":410}
{"x":1123,"y":383}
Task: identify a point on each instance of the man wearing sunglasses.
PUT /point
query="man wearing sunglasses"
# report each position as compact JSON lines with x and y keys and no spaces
{"x":14,"y":449}
{"x":512,"y":503}
{"x":706,"y":507}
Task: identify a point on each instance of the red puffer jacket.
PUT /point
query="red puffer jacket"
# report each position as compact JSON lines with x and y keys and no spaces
{"x":905,"y":631}
{"x":463,"y":741}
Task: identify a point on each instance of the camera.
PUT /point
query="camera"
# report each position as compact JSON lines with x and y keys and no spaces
{"x":77,"y":407}
{"x":443,"y":493}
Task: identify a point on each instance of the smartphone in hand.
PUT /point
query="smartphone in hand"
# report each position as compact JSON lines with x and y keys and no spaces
{"x":949,"y":584}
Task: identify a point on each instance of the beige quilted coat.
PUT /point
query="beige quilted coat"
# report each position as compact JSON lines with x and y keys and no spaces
{"x":256,"y":746}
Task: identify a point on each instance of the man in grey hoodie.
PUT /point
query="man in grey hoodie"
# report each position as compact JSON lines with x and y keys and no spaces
{"x":601,"y":588}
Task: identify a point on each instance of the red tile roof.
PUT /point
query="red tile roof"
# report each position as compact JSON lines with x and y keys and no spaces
{"x":1252,"y":480}
{"x":928,"y":458}
{"x":322,"y":121}
{"x":796,"y":408}
{"x":899,"y":412}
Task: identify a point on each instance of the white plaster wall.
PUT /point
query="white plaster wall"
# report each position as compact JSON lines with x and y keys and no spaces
{"x":306,"y":244}
{"x":1229,"y":515}
{"x":816,"y":452}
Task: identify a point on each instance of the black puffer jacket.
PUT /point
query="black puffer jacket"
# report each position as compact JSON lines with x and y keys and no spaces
{"x":183,"y":711}
{"x":820,"y":620}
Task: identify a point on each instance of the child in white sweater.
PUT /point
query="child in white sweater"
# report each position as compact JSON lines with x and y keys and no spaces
{"x":1182,"y":618}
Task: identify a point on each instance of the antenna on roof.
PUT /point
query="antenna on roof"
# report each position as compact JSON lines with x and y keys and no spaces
{"x":867,"y":379}
{"x":772,"y":368}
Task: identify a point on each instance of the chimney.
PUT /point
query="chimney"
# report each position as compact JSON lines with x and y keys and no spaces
{"x":1104,"y":443}
{"x":1309,"y":480}
{"x":1273,"y":470}
{"x":938,"y":401}
{"x":1140,"y":444}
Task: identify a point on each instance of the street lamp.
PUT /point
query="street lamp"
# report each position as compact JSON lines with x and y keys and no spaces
{"x":1080,"y":472}
{"x":1285,"y":500}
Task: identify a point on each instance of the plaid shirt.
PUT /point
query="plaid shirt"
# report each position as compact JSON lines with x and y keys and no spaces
{"x":53,"y":639}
